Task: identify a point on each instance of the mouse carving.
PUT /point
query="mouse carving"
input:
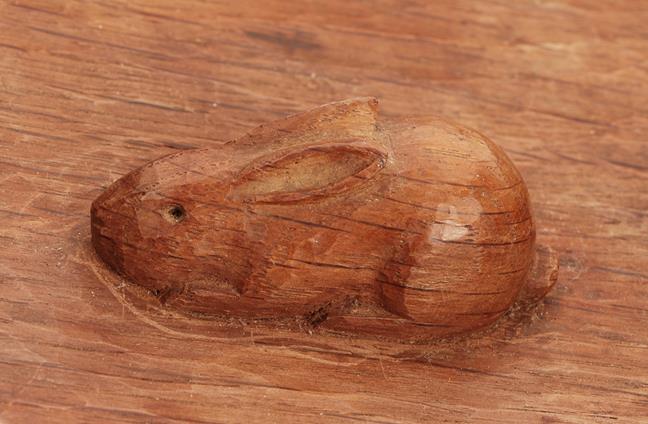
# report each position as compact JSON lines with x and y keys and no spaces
{"x":411,"y":229}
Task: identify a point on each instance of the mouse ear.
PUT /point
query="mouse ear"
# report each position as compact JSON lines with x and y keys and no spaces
{"x":351,"y":118}
{"x":311,"y":173}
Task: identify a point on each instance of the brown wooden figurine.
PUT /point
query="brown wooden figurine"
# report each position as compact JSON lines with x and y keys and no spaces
{"x":407,"y":230}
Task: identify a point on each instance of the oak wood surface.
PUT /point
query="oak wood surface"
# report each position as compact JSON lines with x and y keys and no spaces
{"x":89,"y":91}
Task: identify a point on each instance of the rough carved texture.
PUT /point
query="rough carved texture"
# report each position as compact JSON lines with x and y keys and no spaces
{"x":408,"y":229}
{"x":92,"y":90}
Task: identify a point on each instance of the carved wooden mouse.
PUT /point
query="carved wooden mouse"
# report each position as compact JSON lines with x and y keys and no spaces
{"x":409,"y":229}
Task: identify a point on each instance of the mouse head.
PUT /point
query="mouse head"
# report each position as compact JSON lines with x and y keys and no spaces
{"x":191,"y":216}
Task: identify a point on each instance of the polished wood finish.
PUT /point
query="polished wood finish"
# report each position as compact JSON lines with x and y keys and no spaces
{"x":92,"y":90}
{"x":330,"y":218}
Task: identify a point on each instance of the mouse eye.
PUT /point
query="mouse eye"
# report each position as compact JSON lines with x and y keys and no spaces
{"x":175,"y":214}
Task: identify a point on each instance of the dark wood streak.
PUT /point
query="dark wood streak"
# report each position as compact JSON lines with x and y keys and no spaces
{"x":375,"y":224}
{"x":481,"y":244}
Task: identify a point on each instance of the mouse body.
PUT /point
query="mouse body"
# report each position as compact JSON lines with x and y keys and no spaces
{"x":409,"y":229}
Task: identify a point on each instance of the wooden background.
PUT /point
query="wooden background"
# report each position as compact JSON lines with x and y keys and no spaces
{"x":89,"y":91}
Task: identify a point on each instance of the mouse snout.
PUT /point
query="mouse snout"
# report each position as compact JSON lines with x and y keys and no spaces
{"x":110,"y":219}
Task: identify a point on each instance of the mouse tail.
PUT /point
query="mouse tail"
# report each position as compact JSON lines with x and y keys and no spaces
{"x":542,"y":277}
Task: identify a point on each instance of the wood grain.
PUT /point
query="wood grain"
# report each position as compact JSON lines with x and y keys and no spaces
{"x":90,"y":91}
